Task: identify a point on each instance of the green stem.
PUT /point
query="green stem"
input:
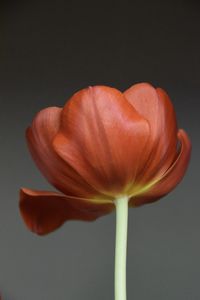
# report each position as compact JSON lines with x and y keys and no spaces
{"x":121,"y":247}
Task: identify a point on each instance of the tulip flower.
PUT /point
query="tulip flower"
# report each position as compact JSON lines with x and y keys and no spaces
{"x":104,"y":150}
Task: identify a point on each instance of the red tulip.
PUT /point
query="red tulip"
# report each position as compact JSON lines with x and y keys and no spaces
{"x":101,"y":145}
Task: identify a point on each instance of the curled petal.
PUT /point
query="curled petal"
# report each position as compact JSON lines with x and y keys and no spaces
{"x":58,"y":172}
{"x":43,"y":212}
{"x":172,"y":176}
{"x":156,"y":107}
{"x":103,"y":138}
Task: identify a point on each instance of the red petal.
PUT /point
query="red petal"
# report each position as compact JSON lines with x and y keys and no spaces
{"x":43,"y":212}
{"x":58,"y":172}
{"x":103,"y":138}
{"x":172,"y":176}
{"x":157,"y":108}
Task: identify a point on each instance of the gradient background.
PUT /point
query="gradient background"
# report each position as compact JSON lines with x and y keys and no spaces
{"x":48,"y":50}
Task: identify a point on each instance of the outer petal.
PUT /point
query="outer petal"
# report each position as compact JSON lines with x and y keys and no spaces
{"x":172,"y":176}
{"x":58,"y":172}
{"x":157,"y":108}
{"x":103,"y":138}
{"x":44,"y":212}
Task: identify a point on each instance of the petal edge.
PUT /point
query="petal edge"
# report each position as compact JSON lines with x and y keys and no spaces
{"x":172,"y":176}
{"x":44,"y":212}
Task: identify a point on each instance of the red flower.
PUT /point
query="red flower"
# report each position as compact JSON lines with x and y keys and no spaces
{"x":102,"y":145}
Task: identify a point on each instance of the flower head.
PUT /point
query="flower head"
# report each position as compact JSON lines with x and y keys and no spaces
{"x":102,"y":145}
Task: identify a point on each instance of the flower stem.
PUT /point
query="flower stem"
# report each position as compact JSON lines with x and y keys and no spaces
{"x":121,"y":247}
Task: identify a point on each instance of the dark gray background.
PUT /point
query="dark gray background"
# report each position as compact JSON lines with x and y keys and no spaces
{"x":50,"y":49}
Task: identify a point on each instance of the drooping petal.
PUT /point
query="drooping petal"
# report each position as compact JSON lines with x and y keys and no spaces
{"x":103,"y":138}
{"x":39,"y":137}
{"x":156,"y":107}
{"x":172,"y":176}
{"x":44,"y":212}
